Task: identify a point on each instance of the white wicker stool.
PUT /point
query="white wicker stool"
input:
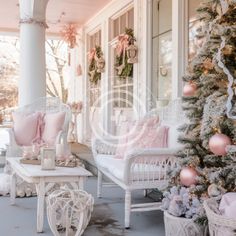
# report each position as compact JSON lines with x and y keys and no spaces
{"x":69,"y":211}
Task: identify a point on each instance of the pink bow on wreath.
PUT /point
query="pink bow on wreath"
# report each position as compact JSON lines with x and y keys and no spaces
{"x":92,"y":54}
{"x":123,"y":43}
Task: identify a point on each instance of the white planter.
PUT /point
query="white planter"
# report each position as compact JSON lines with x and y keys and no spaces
{"x":179,"y":226}
{"x":69,"y":211}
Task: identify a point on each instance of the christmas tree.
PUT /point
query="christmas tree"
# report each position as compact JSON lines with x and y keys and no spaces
{"x":205,"y":168}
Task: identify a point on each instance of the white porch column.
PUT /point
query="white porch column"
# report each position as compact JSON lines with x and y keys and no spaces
{"x":32,"y":84}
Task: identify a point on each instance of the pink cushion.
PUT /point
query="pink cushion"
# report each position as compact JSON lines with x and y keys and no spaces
{"x":148,"y":135}
{"x":25,"y":127}
{"x":53,"y":124}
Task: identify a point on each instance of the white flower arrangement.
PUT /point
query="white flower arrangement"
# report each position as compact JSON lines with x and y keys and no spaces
{"x":179,"y":202}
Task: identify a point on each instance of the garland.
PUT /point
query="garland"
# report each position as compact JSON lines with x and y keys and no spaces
{"x":123,"y":68}
{"x":96,"y":64}
{"x":33,"y":21}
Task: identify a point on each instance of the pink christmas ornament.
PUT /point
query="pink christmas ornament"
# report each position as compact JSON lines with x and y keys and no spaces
{"x":218,"y":143}
{"x":188,"y":176}
{"x":189,"y":89}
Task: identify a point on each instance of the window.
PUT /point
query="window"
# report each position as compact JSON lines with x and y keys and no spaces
{"x":94,"y":89}
{"x":162,"y":51}
{"x":119,"y":24}
{"x":122,"y":87}
{"x":195,"y":27}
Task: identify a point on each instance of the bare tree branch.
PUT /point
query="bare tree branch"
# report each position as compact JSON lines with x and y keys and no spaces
{"x":52,"y":83}
{"x":49,"y":91}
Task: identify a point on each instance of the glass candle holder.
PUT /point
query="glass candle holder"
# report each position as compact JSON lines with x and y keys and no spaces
{"x":48,"y":158}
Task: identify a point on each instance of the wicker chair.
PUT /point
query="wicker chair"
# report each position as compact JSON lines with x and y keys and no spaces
{"x":141,"y":168}
{"x":45,"y":105}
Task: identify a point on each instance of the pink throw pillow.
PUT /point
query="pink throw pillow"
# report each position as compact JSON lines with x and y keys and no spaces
{"x":150,"y":138}
{"x":25,"y":127}
{"x":53,"y":124}
{"x":135,"y":132}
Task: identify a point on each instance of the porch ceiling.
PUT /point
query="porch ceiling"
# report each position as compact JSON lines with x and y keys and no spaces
{"x":59,"y":12}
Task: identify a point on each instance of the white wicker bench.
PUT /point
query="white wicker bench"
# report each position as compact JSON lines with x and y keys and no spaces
{"x":141,"y":168}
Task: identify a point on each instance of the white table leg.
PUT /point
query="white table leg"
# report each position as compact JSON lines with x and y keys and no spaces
{"x":13,"y":188}
{"x":81,"y":182}
{"x":40,"y":205}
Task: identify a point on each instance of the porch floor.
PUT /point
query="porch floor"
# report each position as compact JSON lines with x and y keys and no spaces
{"x":107,"y":218}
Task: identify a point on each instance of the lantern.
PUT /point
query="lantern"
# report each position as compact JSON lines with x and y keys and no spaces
{"x":100,"y":63}
{"x":48,"y":158}
{"x":69,"y":211}
{"x":132,"y":54}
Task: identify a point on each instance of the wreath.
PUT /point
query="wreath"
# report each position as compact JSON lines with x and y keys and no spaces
{"x":123,"y":67}
{"x":96,"y":64}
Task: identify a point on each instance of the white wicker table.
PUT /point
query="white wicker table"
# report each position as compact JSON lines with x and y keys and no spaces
{"x":44,"y":180}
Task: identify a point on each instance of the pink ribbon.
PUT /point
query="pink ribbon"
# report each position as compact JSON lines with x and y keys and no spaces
{"x":92,"y":54}
{"x":37,"y":141}
{"x":123,"y":43}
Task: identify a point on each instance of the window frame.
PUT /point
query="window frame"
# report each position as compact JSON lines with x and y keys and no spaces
{"x":119,"y":88}
{"x":94,"y":89}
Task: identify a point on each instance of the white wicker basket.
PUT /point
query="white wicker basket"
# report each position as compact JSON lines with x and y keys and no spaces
{"x":69,"y":211}
{"x":219,"y":225}
{"x":180,"y":226}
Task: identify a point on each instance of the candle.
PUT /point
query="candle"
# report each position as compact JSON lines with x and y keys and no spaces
{"x":60,"y":151}
{"x":48,"y":158}
{"x":48,"y":163}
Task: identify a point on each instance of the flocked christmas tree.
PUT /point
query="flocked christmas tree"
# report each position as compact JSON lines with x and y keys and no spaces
{"x":205,"y":168}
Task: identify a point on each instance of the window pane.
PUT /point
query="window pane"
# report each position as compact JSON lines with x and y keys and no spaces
{"x":195,"y":29}
{"x":116,"y":27}
{"x":131,"y":18}
{"x":130,"y":96}
{"x":154,"y":18}
{"x":161,"y":85}
{"x":123,"y":23}
{"x":115,"y":98}
{"x":165,"y":16}
{"x":192,"y":7}
{"x":120,"y":85}
{"x":165,"y":63}
{"x":94,"y":40}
